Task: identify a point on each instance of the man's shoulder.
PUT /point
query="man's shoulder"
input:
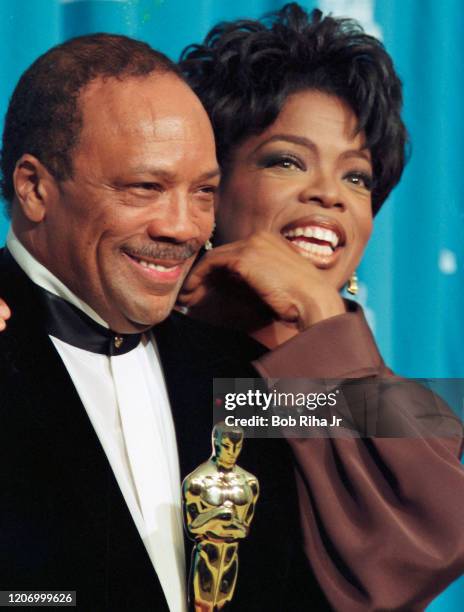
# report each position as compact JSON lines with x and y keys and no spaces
{"x":23,"y":339}
{"x":15,"y":287}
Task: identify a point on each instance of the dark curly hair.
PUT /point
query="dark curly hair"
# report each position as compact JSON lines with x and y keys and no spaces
{"x":245,"y":70}
{"x":44,"y":118}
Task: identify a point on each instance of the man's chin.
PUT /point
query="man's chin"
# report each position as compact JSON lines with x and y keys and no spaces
{"x":146,"y":316}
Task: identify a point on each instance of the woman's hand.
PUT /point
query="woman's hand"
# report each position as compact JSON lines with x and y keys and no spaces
{"x":5,"y":314}
{"x":290,"y":285}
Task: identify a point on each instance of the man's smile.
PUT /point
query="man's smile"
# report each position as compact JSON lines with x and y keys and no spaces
{"x":160,"y":271}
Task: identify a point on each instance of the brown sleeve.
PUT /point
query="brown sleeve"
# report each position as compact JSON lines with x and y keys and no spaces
{"x":339,"y":347}
{"x":381,"y":517}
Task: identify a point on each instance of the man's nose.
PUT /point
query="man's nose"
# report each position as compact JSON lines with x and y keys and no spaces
{"x":174,"y":219}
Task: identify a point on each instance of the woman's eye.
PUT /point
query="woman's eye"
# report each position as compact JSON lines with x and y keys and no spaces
{"x":287,"y":162}
{"x":360,"y":179}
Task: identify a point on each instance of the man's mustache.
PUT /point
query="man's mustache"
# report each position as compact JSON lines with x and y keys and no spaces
{"x":165,"y":250}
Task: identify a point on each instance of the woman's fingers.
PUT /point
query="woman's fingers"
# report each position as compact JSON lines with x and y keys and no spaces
{"x":221,"y":257}
{"x":290,"y":285}
{"x":5,"y":314}
{"x":192,"y":297}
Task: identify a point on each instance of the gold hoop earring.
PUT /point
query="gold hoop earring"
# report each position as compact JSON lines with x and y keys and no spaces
{"x":352,"y":285}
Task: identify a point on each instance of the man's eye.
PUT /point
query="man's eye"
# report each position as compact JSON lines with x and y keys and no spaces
{"x":208,"y":189}
{"x":287,"y":162}
{"x":360,"y":179}
{"x":146,"y":186}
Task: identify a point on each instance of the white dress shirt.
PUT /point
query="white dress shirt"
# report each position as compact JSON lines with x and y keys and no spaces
{"x":126,"y":400}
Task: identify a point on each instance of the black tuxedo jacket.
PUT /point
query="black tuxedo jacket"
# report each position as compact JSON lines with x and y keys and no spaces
{"x":64,"y":524}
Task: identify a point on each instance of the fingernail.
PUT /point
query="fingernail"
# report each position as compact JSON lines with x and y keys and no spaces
{"x":4,"y":312}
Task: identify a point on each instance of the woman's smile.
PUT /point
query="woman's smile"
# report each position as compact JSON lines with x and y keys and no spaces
{"x":318,"y":238}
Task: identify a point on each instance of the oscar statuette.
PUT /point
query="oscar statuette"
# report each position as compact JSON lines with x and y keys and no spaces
{"x":219,"y":499}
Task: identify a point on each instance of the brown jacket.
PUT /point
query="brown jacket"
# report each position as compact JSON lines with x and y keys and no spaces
{"x":381,"y":516}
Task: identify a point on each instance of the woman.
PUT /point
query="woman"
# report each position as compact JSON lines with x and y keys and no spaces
{"x":310,"y":139}
{"x":306,"y":114}
{"x":311,"y":142}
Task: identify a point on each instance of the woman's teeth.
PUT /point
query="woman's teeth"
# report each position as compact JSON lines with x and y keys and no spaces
{"x":311,"y":248}
{"x":320,"y":233}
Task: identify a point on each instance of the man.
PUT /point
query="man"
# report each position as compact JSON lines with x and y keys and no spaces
{"x":109,"y":167}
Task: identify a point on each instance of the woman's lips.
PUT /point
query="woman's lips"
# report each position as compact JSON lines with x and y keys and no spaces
{"x":317,"y":238}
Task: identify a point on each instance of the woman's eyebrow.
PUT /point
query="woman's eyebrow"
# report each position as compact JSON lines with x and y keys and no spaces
{"x":299,"y":140}
{"x":364,"y":154}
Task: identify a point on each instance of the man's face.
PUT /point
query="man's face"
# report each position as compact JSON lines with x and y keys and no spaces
{"x":124,"y":231}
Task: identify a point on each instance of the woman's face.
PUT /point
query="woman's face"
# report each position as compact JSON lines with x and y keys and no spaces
{"x":308,"y":178}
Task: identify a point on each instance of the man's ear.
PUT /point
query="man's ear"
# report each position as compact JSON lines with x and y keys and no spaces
{"x":33,"y":185}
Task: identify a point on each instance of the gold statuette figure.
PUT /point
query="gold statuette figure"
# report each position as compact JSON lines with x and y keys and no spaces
{"x":219,"y":500}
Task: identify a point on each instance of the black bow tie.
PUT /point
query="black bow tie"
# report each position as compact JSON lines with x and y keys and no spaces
{"x":68,"y":323}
